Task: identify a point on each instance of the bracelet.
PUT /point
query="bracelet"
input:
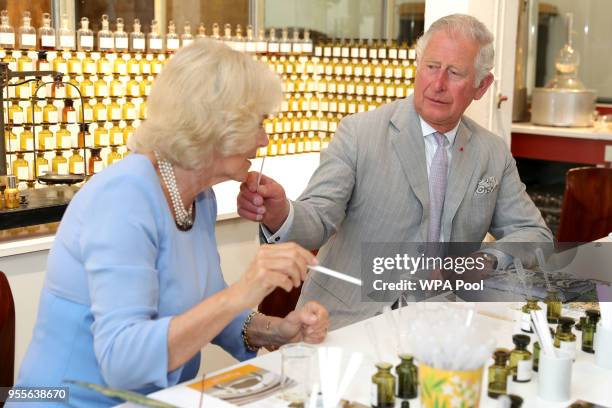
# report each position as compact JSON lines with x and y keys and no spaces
{"x":245,"y":337}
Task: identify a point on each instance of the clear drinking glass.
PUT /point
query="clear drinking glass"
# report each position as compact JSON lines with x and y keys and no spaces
{"x":298,"y":363}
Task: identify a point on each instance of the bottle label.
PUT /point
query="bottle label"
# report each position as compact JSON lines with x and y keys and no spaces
{"x":370,"y":90}
{"x":47,"y":41}
{"x":295,"y":106}
{"x":23,"y":173}
{"x":121,"y":43}
{"x":412,"y":54}
{"x":17,"y":118}
{"x":138,"y":44}
{"x":29,"y":144}
{"x":118,"y":138}
{"x":402,"y":54}
{"x":52,"y":117}
{"x":89,"y":90}
{"x":378,"y":71}
{"x":524,"y":369}
{"x":287,"y":127}
{"x":62,"y":168}
{"x":49,"y":143}
{"x":372,"y":53}
{"x":316,"y":144}
{"x":116,"y":114}
{"x":42,"y":169}
{"x":28,"y":39}
{"x":569,"y":346}
{"x":297,"y":48}
{"x":118,"y":90}
{"x":66,"y":41}
{"x":66,"y":141}
{"x":88,"y":114}
{"x":186,"y":42}
{"x":307,"y":47}
{"x":345,"y":52}
{"x":135,"y":68}
{"x":251,"y":46}
{"x":380,"y":90}
{"x":157,"y":68}
{"x":273,"y":149}
{"x":89,"y":140}
{"x":79,"y":167}
{"x":409,"y":73}
{"x":27,"y":66}
{"x":342,"y":107}
{"x":24,"y":91}
{"x":103,"y":139}
{"x":283,"y":148}
{"x":98,"y":166}
{"x":285,"y":48}
{"x":333,"y":126}
{"x":278,"y":127}
{"x":146,"y":68}
{"x":269,"y":127}
{"x":130,"y":114}
{"x":393,"y":53}
{"x":101,"y":115}
{"x":7,"y":38}
{"x":388,"y":72}
{"x":291,"y":148}
{"x":173,"y":43}
{"x":155,"y":44}
{"x":262,"y":46}
{"x":102,"y":90}
{"x":89,"y":68}
{"x":87,"y":41}
{"x":71,"y":117}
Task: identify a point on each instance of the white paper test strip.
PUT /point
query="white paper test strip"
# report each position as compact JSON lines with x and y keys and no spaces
{"x":334,"y":274}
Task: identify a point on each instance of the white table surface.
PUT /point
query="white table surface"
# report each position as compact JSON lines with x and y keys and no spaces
{"x":499,"y":321}
{"x":592,"y":132}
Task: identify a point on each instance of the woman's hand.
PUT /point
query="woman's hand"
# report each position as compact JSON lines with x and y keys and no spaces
{"x":280,"y":265}
{"x":308,"y":324}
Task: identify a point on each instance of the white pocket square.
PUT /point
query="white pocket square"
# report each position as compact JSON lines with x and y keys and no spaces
{"x":486,"y":185}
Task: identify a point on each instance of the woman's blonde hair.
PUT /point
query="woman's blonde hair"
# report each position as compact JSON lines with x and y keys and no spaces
{"x":208,"y":100}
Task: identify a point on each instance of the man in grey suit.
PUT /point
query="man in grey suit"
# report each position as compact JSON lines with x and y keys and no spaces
{"x":412,"y":170}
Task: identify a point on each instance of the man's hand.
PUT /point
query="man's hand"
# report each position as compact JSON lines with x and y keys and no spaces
{"x":266,"y":203}
{"x":308,"y":324}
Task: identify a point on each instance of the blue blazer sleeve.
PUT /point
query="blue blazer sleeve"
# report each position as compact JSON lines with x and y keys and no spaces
{"x":119,"y":244}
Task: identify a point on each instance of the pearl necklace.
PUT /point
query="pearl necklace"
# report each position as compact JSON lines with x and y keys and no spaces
{"x":184,"y":218}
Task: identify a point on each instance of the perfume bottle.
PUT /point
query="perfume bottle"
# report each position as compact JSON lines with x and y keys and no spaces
{"x":383,"y":387}
{"x":84,"y":138}
{"x":564,"y":338}
{"x":101,"y":137}
{"x":60,"y":64}
{"x":12,"y":63}
{"x":11,"y":193}
{"x":296,"y":43}
{"x":172,"y":38}
{"x":99,"y":112}
{"x":117,"y":89}
{"x":100,"y":88}
{"x":216,"y":35}
{"x":239,"y":40}
{"x":46,"y":140}
{"x":154,"y":39}
{"x":121,"y":39}
{"x":87,"y":87}
{"x":145,"y":87}
{"x":106,"y":43}
{"x":75,"y":65}
{"x":532,"y":304}
{"x":68,"y":112}
{"x":85,"y":36}
{"x":10,"y":141}
{"x":46,"y":33}
{"x":201,"y":31}
{"x":132,"y":87}
{"x":7,"y":32}
{"x":59,"y":164}
{"x":21,"y":168}
{"x":498,"y":374}
{"x":113,"y":156}
{"x":520,"y":359}
{"x":50,"y":112}
{"x":407,"y":377}
{"x":227,"y":36}
{"x":113,"y":111}
{"x":34,"y":114}
{"x":120,"y":66}
{"x":285,"y":43}
{"x":273,"y":44}
{"x":250,"y":44}
{"x":261,"y":45}
{"x":95,"y":164}
{"x":137,"y":38}
{"x":76,"y":163}
{"x":65,"y":35}
{"x":27,"y":33}
{"x":128,"y":131}
{"x":553,"y":306}
{"x":588,"y":330}
{"x":116,"y":135}
{"x":86,"y":114}
{"x":25,"y":63}
{"x":42,"y":164}
{"x":104,"y":66}
{"x":129,"y":110}
{"x":63,"y":138}
{"x":186,"y":37}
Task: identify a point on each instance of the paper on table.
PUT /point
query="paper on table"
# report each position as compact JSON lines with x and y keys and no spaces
{"x":334,"y":274}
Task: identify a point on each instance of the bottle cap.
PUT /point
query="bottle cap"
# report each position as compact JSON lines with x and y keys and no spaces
{"x":521,"y":339}
{"x":501,"y":355}
{"x":593,"y":314}
{"x":566,"y":322}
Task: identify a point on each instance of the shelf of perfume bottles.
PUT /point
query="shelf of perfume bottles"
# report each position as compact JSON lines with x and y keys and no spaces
{"x":289,"y":143}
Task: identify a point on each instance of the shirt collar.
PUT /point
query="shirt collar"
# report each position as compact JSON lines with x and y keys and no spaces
{"x":428,"y":130}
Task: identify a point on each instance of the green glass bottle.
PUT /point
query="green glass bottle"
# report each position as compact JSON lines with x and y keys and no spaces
{"x":553,"y":306}
{"x":498,"y":374}
{"x":532,"y":304}
{"x":536,"y":356}
{"x":383,"y":387}
{"x":564,"y":338}
{"x":580,"y":323}
{"x":521,"y":361}
{"x":407,"y":377}
{"x":588,"y":330}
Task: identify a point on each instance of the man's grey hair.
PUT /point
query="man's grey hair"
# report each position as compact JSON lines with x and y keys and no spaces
{"x":471,"y":28}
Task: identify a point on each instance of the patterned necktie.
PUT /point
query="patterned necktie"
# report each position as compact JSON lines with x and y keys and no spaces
{"x":438,"y":175}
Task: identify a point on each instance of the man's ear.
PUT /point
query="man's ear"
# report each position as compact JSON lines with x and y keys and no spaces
{"x":484,"y":85}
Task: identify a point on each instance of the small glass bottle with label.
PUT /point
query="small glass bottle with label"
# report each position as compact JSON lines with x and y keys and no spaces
{"x":172,"y":38}
{"x":113,"y":156}
{"x":65,"y":35}
{"x":521,"y":362}
{"x":101,"y":137}
{"x":11,"y":142}
{"x":11,"y":192}
{"x":59,"y":164}
{"x":201,"y":31}
{"x":553,"y":305}
{"x":63,"y":138}
{"x":27,"y":33}
{"x":532,"y":304}
{"x":498,"y":374}
{"x":129,"y":110}
{"x":25,"y":63}
{"x":42,"y":164}
{"x":50,"y":112}
{"x":95,"y":164}
{"x":46,"y":140}
{"x":84,"y":137}
{"x":100,"y":88}
{"x":69,"y":114}
{"x":186,"y":37}
{"x":564,"y":338}
{"x":383,"y":387}
{"x":99,"y":112}
{"x":114,"y":111}
{"x":7,"y":32}
{"x":121,"y":37}
{"x":21,"y":168}
{"x":588,"y":330}
{"x":85,"y":36}
{"x":128,"y":131}
{"x":155,"y":42}
{"x":106,"y":42}
{"x":116,"y":135}
{"x":76,"y":163}
{"x":137,"y":38}
{"x":46,"y":33}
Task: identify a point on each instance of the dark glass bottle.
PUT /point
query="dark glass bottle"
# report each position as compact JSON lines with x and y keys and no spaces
{"x":564,"y":338}
{"x":498,"y":374}
{"x":407,"y":377}
{"x":553,"y":306}
{"x":588,"y":330}
{"x":383,"y":387}
{"x":521,"y":362}
{"x":532,"y":304}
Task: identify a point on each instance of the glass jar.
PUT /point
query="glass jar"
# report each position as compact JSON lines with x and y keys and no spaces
{"x":95,"y":164}
{"x":383,"y":387}
{"x":521,"y":362}
{"x":532,"y":304}
{"x":553,"y":306}
{"x":588,"y":330}
{"x":407,"y":377}
{"x":564,"y":338}
{"x":498,"y":374}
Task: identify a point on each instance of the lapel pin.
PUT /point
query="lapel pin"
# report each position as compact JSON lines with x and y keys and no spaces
{"x":461,"y":149}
